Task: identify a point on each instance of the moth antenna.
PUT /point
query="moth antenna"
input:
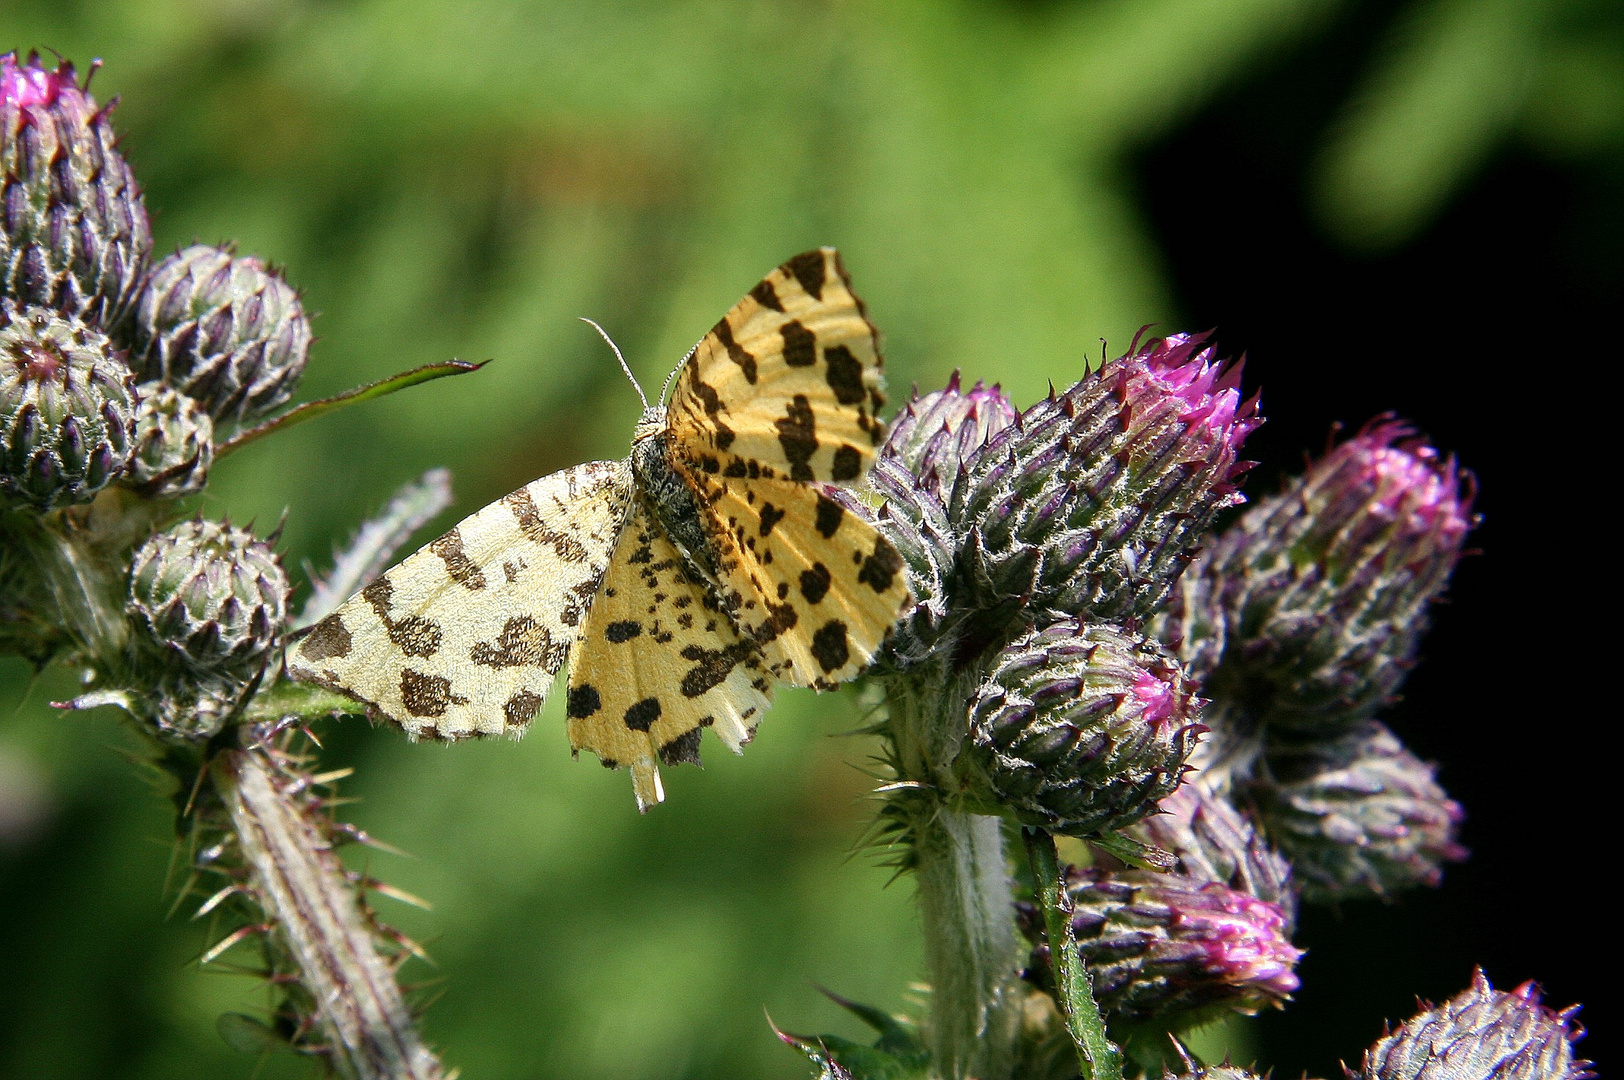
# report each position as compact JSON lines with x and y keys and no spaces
{"x":667,"y":384}
{"x":623,"y":365}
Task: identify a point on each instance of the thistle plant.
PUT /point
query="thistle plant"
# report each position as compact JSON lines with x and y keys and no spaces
{"x":119,"y":388}
{"x":1105,"y":645}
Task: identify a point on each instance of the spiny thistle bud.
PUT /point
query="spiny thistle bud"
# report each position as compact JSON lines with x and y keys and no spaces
{"x":1215,"y":842}
{"x":75,"y":233}
{"x":1091,"y":502}
{"x":1481,"y":1034}
{"x":224,"y":330}
{"x":67,"y":409}
{"x":1166,"y":949}
{"x":211,"y":594}
{"x":914,"y":474}
{"x":1079,"y":728}
{"x":1358,"y":815}
{"x":934,"y":435}
{"x":174,"y":443}
{"x":1308,"y":612}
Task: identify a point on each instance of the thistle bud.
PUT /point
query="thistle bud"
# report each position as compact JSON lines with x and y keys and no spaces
{"x":1166,"y":949}
{"x":67,"y":409}
{"x":75,"y":235}
{"x":1215,"y":842}
{"x":224,"y":330}
{"x":914,"y":475}
{"x":211,"y":595}
{"x":934,"y":435}
{"x":1481,"y":1034}
{"x":174,"y":443}
{"x":1307,"y":614}
{"x":1357,"y":815}
{"x":1079,"y":729}
{"x":1091,"y":502}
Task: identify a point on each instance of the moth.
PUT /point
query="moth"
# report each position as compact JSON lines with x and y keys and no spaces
{"x":680,"y":584}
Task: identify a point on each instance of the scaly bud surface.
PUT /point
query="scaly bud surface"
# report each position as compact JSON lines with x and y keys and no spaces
{"x":224,"y":330}
{"x":174,"y":443}
{"x":1358,"y":815}
{"x":1481,"y":1034}
{"x":1215,"y":842}
{"x":74,"y":234}
{"x":1078,"y":728}
{"x":67,"y":409}
{"x":211,"y":594}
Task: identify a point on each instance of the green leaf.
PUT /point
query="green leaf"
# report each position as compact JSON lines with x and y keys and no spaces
{"x":251,"y":1036}
{"x":312,"y":409}
{"x":842,"y":1059}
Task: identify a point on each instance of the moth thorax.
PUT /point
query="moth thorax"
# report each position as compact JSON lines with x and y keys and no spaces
{"x":672,"y":501}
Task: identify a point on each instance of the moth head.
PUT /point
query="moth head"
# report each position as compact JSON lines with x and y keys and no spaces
{"x":650,"y":424}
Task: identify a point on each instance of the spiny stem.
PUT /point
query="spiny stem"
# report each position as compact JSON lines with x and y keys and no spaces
{"x":1096,"y":1053}
{"x":314,"y":908}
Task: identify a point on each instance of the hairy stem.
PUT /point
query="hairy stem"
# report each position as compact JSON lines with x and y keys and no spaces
{"x":966,"y":897}
{"x":1096,"y":1053}
{"x":314,"y":908}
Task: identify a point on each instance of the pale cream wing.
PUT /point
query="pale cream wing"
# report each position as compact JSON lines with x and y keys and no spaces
{"x":788,"y":384}
{"x":656,"y":663}
{"x":465,"y":636}
{"x":812,"y":583}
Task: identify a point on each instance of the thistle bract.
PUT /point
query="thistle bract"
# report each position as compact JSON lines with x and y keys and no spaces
{"x":75,"y":235}
{"x":210,"y":594}
{"x":1358,"y":815}
{"x":1165,"y":949}
{"x":934,"y":435}
{"x":1481,"y":1034}
{"x":174,"y":443}
{"x":224,"y":330}
{"x":1078,"y":728}
{"x":67,"y":409}
{"x":1215,"y":842}
{"x":1090,"y":503}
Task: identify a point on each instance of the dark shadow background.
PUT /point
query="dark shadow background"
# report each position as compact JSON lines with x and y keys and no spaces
{"x":1493,"y":331}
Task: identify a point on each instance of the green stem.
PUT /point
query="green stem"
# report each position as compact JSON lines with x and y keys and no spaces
{"x":1098,"y":1056}
{"x":966,"y":896}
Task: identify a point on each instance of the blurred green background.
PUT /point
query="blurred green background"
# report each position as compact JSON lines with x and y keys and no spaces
{"x":1009,"y":183}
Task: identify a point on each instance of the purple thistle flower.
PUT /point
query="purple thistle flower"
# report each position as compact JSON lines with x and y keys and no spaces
{"x":1090,"y":504}
{"x":1174,"y":952}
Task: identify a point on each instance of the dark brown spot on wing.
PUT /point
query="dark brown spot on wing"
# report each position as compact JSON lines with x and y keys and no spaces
{"x":829,"y":516}
{"x":523,"y":642}
{"x":845,"y":375}
{"x":847,"y":465}
{"x":583,"y":701}
{"x":880,"y":569}
{"x":770,"y":516}
{"x":330,"y":639}
{"x":521,"y":708}
{"x":808,"y":270}
{"x":424,"y":695}
{"x":641,"y":717}
{"x":735,"y":352}
{"x":457,"y":563}
{"x":565,"y":546}
{"x":766,"y":294}
{"x":797,"y":434}
{"x":622,"y":630}
{"x":683,"y":750}
{"x":815,"y":583}
{"x":829,"y":647}
{"x":711,"y":666}
{"x":800,"y":344}
{"x":380,"y":594}
{"x":415,"y":636}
